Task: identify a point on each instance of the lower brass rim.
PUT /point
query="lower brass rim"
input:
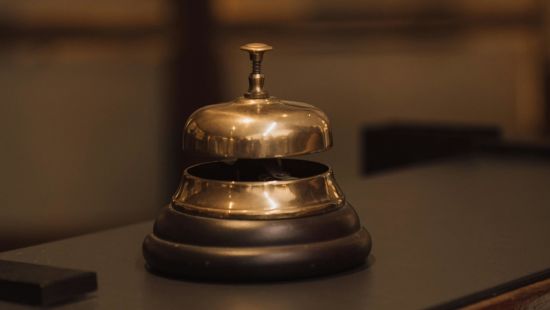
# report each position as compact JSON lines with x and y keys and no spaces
{"x":209,"y":189}
{"x":253,"y":214}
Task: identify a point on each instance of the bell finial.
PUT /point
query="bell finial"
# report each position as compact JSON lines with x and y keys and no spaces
{"x":256,"y":78}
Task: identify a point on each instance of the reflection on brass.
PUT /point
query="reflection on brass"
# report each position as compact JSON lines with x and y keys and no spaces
{"x":258,"y":128}
{"x":271,"y":199}
{"x":256,"y":125}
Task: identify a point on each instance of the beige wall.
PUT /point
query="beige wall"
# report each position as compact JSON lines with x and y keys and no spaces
{"x":83,"y":138}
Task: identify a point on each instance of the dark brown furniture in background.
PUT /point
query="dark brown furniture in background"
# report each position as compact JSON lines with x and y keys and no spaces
{"x":404,"y":144}
{"x":398,"y":145}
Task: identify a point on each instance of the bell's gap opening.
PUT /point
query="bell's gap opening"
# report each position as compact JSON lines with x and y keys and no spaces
{"x":258,"y":170}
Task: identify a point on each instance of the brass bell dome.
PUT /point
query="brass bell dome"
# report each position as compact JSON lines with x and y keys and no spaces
{"x":257,"y":125}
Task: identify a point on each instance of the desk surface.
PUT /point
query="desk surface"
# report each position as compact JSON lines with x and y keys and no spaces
{"x":444,"y":234}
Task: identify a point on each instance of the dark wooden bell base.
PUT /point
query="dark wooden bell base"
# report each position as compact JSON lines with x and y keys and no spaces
{"x":205,"y":248}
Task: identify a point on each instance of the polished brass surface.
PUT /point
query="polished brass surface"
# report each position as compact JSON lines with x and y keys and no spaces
{"x":258,"y":126}
{"x":256,"y":47}
{"x":292,"y":197}
{"x":256,"y":78}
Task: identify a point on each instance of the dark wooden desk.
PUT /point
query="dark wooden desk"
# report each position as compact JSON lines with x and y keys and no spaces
{"x":445,"y":235}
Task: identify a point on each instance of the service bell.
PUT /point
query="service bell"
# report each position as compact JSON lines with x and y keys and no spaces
{"x":255,"y":214}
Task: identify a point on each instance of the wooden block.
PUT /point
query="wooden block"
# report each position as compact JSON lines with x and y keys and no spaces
{"x":43,"y":285}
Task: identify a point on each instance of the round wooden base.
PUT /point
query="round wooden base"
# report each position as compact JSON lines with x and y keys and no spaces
{"x":205,"y":248}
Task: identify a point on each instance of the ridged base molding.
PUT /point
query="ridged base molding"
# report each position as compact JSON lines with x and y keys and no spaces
{"x":234,"y":250}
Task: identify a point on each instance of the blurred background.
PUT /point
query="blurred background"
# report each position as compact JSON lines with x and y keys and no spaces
{"x":94,"y":94}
